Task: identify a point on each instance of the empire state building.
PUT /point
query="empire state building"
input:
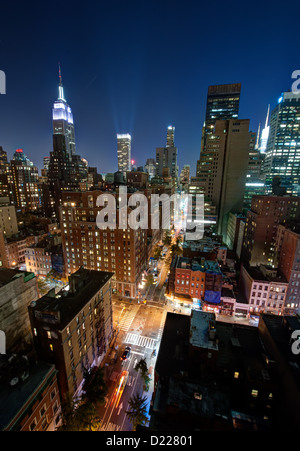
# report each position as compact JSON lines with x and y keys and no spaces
{"x":63,"y":123}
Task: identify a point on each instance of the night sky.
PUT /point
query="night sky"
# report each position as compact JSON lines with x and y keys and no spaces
{"x":137,"y":66}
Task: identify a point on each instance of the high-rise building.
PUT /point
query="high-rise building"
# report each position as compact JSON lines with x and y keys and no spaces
{"x":5,"y":176}
{"x":65,"y":170}
{"x":170,"y":136}
{"x":73,"y":329}
{"x":255,"y":184}
{"x":223,"y":166}
{"x":25,"y":178}
{"x":262,"y":222}
{"x":62,"y":116}
{"x":166,"y":157}
{"x":222,"y":103}
{"x":8,"y":218}
{"x":288,"y":264}
{"x":122,"y":251}
{"x":150,"y":167}
{"x":282,"y":157}
{"x":185,"y":176}
{"x":124,"y":152}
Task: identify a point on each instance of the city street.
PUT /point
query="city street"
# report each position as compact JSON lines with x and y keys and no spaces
{"x":140,"y":327}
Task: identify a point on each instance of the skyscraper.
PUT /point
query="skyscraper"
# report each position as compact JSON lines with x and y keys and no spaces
{"x":62,"y":116}
{"x":222,"y":104}
{"x":25,"y":179}
{"x":282,"y":157}
{"x":166,"y":157}
{"x":64,"y":169}
{"x":5,"y":176}
{"x":223,"y":166}
{"x":124,"y":152}
{"x":255,"y":184}
{"x":170,"y":136}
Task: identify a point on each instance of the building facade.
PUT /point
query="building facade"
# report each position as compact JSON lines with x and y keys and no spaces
{"x":17,"y":290}
{"x":73,"y":328}
{"x":122,"y":251}
{"x":124,"y":152}
{"x":223,"y":167}
{"x":262,"y":222}
{"x":282,"y":156}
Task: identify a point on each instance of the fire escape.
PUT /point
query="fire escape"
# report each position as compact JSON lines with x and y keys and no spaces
{"x":100,"y":328}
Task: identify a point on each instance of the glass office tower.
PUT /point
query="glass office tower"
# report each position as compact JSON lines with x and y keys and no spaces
{"x":282,"y":157}
{"x":222,"y":104}
{"x":124,"y":152}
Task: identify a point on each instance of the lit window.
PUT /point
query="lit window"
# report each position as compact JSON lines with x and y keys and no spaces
{"x":236,"y":374}
{"x":254,"y":393}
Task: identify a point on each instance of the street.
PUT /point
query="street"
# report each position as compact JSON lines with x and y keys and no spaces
{"x":140,"y":327}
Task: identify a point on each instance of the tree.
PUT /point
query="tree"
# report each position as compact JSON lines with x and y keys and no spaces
{"x":176,"y":248}
{"x":138,"y":411}
{"x":78,"y":415}
{"x":81,"y":414}
{"x":157,"y":253}
{"x":95,"y":388}
{"x":167,"y":239}
{"x":70,"y":422}
{"x":149,"y":280}
{"x":142,"y":367}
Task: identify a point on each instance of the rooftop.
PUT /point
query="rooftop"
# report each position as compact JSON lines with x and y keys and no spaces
{"x":259,"y":276}
{"x":202,"y":330}
{"x":7,"y":275}
{"x":14,"y":397}
{"x":62,"y":307}
{"x":198,"y":264}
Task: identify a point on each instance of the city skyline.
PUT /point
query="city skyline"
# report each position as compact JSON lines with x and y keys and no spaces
{"x":149,"y":95}
{"x":149,"y":218}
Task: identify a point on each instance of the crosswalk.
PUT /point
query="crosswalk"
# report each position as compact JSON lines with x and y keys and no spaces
{"x":128,"y":318}
{"x":110,"y":427}
{"x":140,"y":340}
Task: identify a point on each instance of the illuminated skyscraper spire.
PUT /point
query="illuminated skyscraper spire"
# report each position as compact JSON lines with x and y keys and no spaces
{"x":257,"y":137}
{"x":267,"y":118}
{"x":265,"y":134}
{"x":63,"y":118}
{"x":60,"y":86}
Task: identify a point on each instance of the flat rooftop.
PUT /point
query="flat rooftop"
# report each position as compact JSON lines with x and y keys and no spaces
{"x":7,"y":275}
{"x":13,"y":398}
{"x":201,"y":324}
{"x":66,"y":304}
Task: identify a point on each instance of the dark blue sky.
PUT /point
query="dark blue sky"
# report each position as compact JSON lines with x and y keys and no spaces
{"x":137,"y":66}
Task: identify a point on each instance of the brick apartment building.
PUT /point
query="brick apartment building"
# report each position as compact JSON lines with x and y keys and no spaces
{"x":195,"y":278}
{"x":73,"y":328}
{"x":121,"y":251}
{"x":262,"y":222}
